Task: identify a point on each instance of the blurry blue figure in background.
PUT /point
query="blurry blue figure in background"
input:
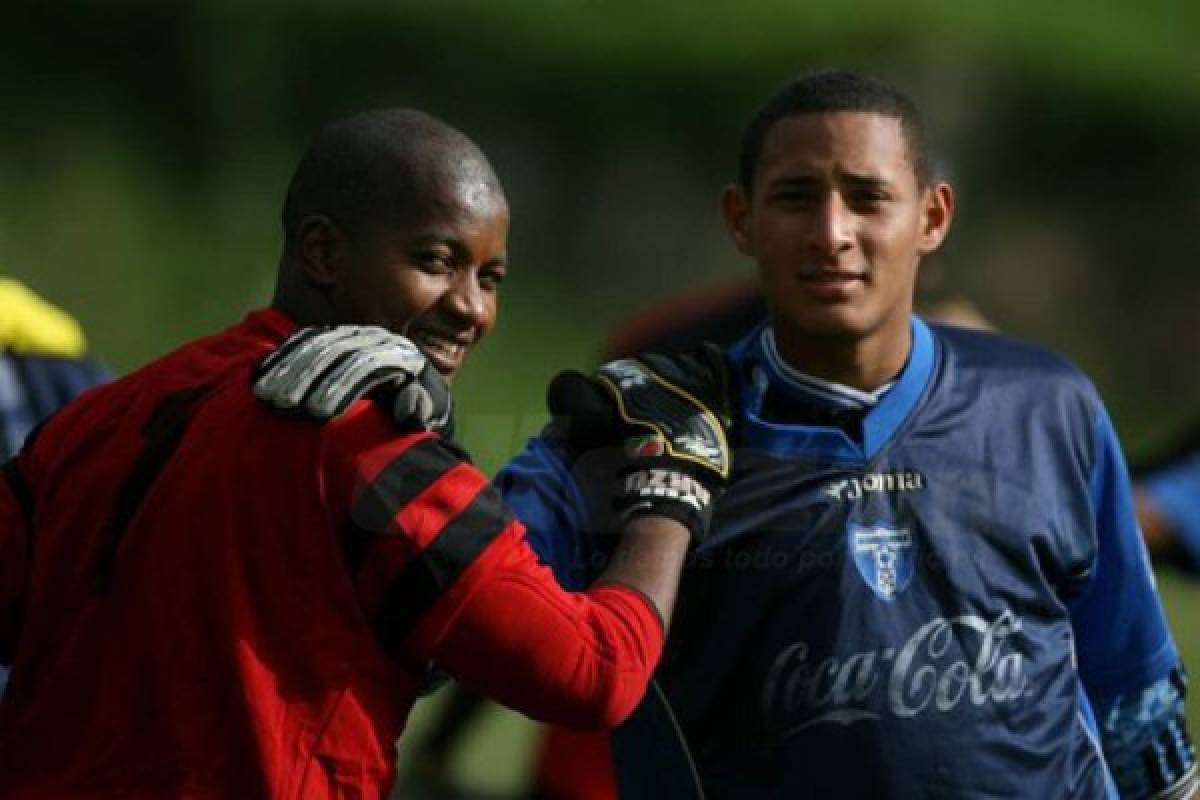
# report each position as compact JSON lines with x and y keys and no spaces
{"x":1168,"y":503}
{"x":43,"y":366}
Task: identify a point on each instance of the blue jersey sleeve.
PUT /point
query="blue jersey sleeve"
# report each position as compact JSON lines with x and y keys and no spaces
{"x":1122,"y":641}
{"x":1175,"y":492}
{"x":542,"y":492}
{"x":1127,"y":660}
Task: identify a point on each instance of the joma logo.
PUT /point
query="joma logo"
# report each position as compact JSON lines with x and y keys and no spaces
{"x":904,"y":480}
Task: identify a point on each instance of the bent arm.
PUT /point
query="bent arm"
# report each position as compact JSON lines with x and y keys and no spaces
{"x":649,"y":558}
{"x":580,"y":659}
{"x":443,"y":573}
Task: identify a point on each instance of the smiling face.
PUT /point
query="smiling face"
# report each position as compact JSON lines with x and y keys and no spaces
{"x":434,"y":278}
{"x":837,"y":222}
{"x":393,"y":218}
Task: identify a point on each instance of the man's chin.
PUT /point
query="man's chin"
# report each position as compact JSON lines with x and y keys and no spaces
{"x":842,"y":325}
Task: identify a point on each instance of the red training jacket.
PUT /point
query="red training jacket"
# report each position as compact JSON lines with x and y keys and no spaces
{"x":202,"y":598}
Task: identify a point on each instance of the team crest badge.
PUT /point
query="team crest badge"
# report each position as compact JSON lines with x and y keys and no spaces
{"x":884,"y":557}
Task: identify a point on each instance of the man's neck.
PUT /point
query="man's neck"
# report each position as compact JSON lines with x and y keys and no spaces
{"x":304,"y":305}
{"x":865,"y":364}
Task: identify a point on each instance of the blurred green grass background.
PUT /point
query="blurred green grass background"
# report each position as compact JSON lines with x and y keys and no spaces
{"x":145,"y":149}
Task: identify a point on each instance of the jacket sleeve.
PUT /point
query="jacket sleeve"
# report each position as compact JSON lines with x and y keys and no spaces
{"x":443,"y":572}
{"x":579,"y":659}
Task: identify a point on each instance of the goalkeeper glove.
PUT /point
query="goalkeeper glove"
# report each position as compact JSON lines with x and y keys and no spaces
{"x":319,"y":372}
{"x":656,"y":428}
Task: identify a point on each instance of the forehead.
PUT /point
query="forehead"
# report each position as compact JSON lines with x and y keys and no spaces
{"x":458,"y":202}
{"x":856,"y":142}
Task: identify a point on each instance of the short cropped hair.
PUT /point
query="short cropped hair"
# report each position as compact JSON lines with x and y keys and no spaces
{"x":830,"y":91}
{"x":380,"y":166}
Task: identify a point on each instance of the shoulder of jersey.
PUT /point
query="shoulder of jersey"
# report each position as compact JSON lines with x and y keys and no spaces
{"x":985,"y":349}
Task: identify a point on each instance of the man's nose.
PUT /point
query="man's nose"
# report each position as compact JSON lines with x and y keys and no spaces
{"x":465,"y":297}
{"x":832,"y":225}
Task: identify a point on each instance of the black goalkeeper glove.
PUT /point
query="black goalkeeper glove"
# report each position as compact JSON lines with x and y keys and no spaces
{"x":319,"y":372}
{"x":656,"y":427}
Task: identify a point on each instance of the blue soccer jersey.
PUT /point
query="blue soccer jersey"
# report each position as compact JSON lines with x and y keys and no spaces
{"x":941,"y":605}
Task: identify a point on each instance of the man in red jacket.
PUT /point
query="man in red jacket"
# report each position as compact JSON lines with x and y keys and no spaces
{"x":201,"y":597}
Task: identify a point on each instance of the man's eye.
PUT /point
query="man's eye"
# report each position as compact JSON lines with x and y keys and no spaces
{"x":491,"y":279}
{"x":867,"y":200}
{"x":435,"y":262}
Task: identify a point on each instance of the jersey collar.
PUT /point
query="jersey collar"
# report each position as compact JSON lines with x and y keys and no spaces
{"x":830,"y":444}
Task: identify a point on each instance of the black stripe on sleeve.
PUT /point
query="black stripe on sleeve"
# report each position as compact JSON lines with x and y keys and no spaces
{"x":436,"y":569}
{"x":399,"y":483}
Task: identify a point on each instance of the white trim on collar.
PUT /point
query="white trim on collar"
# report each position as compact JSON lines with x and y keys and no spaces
{"x":835,"y":393}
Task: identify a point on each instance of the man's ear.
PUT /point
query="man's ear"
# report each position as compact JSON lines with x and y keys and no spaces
{"x":322,"y":248}
{"x":937,"y":216}
{"x":735,"y":206}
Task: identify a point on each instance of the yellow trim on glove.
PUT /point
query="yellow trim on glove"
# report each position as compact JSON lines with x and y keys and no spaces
{"x":704,"y":410}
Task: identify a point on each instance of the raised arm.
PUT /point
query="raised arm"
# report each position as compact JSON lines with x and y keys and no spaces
{"x":444,"y":572}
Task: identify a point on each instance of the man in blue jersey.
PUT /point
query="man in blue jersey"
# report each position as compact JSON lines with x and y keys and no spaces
{"x":1166,"y":487}
{"x":925,"y":578}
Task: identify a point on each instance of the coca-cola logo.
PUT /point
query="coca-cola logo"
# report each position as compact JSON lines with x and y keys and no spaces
{"x":935,"y":671}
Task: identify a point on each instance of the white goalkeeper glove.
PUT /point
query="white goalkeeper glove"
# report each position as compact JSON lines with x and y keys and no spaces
{"x":319,"y":372}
